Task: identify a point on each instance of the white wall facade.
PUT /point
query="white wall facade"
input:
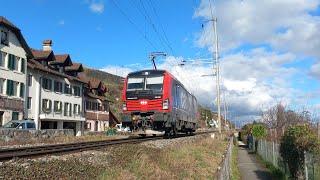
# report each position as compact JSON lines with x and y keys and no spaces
{"x":7,"y":102}
{"x":37,"y":93}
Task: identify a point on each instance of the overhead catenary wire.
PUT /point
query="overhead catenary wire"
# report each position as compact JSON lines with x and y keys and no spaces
{"x":133,"y":24}
{"x":161,"y":26}
{"x":162,"y":39}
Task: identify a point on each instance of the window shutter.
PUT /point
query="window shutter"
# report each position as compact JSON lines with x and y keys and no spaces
{"x":9,"y":62}
{"x":21,"y":90}
{"x":22,"y":64}
{"x":13,"y":63}
{"x":9,"y":87}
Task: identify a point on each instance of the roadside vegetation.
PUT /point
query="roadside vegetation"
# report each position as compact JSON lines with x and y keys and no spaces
{"x":295,"y":133}
{"x":198,"y":160}
{"x":195,"y":157}
{"x":235,"y":172}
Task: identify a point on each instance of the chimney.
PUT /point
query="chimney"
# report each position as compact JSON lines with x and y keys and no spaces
{"x":47,"y":45}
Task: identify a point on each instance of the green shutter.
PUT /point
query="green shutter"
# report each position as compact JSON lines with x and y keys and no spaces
{"x":21,"y":90}
{"x":9,"y":62}
{"x":22,"y":65}
{"x":9,"y":87}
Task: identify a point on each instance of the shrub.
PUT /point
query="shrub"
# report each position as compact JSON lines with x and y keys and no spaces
{"x":296,"y":140}
{"x":259,"y":131}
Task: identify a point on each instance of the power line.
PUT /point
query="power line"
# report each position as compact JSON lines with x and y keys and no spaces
{"x":131,"y":22}
{"x":152,"y":24}
{"x":162,"y":29}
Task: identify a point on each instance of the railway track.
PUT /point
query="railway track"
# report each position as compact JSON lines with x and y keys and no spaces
{"x":9,"y":153}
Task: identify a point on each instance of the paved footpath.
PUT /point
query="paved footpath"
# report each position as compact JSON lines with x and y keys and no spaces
{"x":250,"y":168}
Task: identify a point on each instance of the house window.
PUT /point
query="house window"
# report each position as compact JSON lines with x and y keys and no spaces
{"x":29,"y":80}
{"x":12,"y":88}
{"x":47,"y":84}
{"x":15,"y":115}
{"x":22,"y":65}
{"x":76,"y":91}
{"x":66,"y":109}
{"x":76,"y":109}
{"x":67,"y":89}
{"x":46,"y":105}
{"x":4,"y":37}
{"x":57,"y":86}
{"x":1,"y":85}
{"x":21,"y":90}
{"x":29,"y":103}
{"x":57,"y":106}
{"x":12,"y":64}
{"x":2,"y":58}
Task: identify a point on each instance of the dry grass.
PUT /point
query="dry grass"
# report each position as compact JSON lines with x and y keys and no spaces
{"x":199,"y":160}
{"x":191,"y":159}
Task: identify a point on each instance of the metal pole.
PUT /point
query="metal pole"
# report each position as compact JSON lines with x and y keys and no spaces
{"x":217,"y":72}
{"x":225,"y":108}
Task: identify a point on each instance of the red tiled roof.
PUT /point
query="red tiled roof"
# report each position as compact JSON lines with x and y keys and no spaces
{"x":94,"y":83}
{"x":61,"y":58}
{"x":36,"y":65}
{"x":39,"y":54}
{"x":74,"y":67}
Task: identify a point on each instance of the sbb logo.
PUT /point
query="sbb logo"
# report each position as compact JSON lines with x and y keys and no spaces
{"x":143,"y":102}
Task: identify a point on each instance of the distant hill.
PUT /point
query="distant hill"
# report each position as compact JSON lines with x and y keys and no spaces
{"x":102,"y":75}
{"x":114,"y":85}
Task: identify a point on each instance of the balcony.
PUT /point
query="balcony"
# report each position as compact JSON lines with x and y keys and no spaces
{"x":66,"y":116}
{"x":97,"y":115}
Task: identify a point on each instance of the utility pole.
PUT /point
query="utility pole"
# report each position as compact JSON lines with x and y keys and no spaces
{"x":225,"y":108}
{"x":217,"y":68}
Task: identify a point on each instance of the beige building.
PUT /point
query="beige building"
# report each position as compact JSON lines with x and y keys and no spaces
{"x":55,"y":93}
{"x":14,"y":53}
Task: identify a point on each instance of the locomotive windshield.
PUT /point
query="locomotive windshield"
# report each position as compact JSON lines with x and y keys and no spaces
{"x":135,"y":84}
{"x":145,"y":83}
{"x":154,"y":83}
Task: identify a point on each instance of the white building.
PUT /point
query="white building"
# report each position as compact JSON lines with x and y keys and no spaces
{"x":14,"y":53}
{"x":55,"y":94}
{"x":96,"y":104}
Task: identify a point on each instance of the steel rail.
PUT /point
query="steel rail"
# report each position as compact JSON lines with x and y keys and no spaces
{"x":9,"y":153}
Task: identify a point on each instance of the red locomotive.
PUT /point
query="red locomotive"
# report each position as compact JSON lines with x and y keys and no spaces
{"x":155,"y":100}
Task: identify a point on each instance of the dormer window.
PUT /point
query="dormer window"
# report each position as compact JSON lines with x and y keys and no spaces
{"x":4,"y":37}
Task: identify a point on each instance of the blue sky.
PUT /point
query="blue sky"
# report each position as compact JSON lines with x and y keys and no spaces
{"x":101,"y":38}
{"x":269,"y":49}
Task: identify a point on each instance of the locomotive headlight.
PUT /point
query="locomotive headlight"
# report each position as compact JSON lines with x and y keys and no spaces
{"x":165,"y":104}
{"x":124,"y":106}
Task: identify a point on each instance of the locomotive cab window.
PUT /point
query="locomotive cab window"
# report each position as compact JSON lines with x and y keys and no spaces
{"x":135,"y":84}
{"x":154,"y":83}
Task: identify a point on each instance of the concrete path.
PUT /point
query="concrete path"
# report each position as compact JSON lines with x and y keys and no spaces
{"x":250,"y":168}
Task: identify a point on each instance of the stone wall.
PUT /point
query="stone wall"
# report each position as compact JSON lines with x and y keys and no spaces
{"x":20,"y":135}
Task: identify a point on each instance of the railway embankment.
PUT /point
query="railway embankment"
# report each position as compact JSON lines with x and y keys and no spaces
{"x":195,"y":157}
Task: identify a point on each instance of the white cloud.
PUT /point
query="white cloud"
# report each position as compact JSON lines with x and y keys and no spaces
{"x":262,"y":76}
{"x":286,"y":25}
{"x":117,"y":70}
{"x":96,"y":6}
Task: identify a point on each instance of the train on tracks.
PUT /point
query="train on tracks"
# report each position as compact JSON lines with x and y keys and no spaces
{"x":155,"y":101}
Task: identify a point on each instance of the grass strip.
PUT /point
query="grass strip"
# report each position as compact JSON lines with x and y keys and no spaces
{"x":235,"y":172}
{"x":275,"y":172}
